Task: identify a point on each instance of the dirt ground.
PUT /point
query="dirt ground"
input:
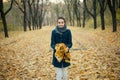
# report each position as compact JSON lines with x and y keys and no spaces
{"x":27,"y":56}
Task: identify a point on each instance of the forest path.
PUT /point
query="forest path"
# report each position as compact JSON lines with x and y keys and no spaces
{"x":95,"y":55}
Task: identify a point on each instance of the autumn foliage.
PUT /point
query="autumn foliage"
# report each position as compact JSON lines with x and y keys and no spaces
{"x":62,"y":53}
{"x":95,"y":55}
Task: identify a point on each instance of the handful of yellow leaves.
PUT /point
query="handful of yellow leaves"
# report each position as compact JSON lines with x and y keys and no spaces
{"x":62,"y":53}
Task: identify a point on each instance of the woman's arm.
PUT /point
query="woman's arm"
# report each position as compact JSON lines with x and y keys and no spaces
{"x":69,"y":45}
{"x":53,"y":40}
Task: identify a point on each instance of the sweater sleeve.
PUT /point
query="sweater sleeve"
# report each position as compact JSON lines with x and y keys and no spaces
{"x":53,"y":40}
{"x":69,"y":45}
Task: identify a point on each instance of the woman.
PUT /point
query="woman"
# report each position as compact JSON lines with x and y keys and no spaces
{"x":61,"y":35}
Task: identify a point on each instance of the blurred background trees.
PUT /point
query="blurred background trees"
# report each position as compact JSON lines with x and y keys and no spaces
{"x":33,"y":14}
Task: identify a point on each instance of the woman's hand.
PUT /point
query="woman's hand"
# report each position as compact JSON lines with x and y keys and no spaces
{"x":67,"y":49}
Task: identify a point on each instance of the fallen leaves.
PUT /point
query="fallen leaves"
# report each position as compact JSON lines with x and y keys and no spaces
{"x":26,"y":56}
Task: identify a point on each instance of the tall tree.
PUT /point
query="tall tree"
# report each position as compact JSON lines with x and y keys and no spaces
{"x":42,"y":12}
{"x":84,"y":14}
{"x":77,"y":12}
{"x":111,"y":5}
{"x":68,"y":5}
{"x":22,"y":6}
{"x":30,"y":13}
{"x":102,"y":4}
{"x":25,"y":15}
{"x":94,"y":12}
{"x":3,"y":16}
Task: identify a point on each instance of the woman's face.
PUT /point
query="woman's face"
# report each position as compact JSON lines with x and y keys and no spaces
{"x":60,"y":23}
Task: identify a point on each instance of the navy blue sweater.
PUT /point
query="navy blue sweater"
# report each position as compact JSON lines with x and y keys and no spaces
{"x":65,"y":38}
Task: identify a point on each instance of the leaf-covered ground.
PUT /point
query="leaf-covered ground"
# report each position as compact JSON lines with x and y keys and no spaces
{"x":26,"y":55}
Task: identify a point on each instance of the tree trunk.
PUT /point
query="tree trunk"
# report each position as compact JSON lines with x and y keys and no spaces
{"x":114,"y":21}
{"x":73,"y":22}
{"x":69,"y":12}
{"x":4,"y":24}
{"x":114,"y":17}
{"x":84,"y":12}
{"x":119,"y":3}
{"x":25,"y":22}
{"x":29,"y":21}
{"x":83,"y":19}
{"x":102,"y":4}
{"x":113,"y":13}
{"x":77,"y":13}
{"x":95,"y":18}
{"x":102,"y":20}
{"x":67,"y":3}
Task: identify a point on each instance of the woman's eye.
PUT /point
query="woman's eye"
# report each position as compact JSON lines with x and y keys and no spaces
{"x":61,"y":22}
